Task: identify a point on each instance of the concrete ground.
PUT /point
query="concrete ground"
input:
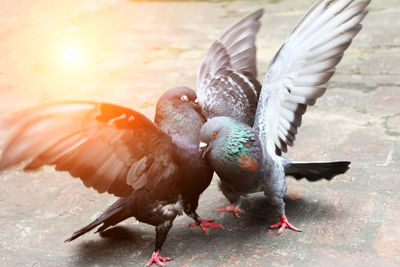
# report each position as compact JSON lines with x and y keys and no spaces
{"x":130,"y":52}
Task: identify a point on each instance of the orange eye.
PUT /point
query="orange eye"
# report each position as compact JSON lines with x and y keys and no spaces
{"x":214,"y":134}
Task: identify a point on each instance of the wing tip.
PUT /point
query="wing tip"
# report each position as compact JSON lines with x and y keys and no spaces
{"x":258,"y":13}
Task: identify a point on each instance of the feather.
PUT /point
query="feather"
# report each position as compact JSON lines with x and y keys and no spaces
{"x":227,"y":75}
{"x":93,"y":141}
{"x":300,"y":71}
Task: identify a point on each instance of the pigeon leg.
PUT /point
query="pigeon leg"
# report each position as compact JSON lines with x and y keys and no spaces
{"x":275,"y":194}
{"x":233,"y":197}
{"x":205,"y":224}
{"x":190,"y":210}
{"x":161,"y":234}
{"x":232,"y":208}
{"x":283,"y":224}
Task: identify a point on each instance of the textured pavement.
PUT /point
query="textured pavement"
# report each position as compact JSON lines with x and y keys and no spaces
{"x":131,"y":53}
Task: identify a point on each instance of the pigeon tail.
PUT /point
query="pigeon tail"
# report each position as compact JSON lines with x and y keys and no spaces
{"x":114,"y":214}
{"x":315,"y":171}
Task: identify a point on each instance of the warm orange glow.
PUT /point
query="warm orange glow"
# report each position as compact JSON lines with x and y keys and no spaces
{"x":82,"y":49}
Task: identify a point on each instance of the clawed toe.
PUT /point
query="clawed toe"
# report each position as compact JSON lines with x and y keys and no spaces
{"x":283,"y":224}
{"x":157,"y":259}
{"x":232,"y":209}
{"x":206,"y":224}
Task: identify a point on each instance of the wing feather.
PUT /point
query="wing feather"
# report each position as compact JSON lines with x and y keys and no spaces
{"x":110,"y":148}
{"x":300,"y":71}
{"x":227,"y":74}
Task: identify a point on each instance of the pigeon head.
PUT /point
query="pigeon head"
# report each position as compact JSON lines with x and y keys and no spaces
{"x":179,"y":95}
{"x":213,"y":133}
{"x":179,"y":115}
{"x":176,"y":101}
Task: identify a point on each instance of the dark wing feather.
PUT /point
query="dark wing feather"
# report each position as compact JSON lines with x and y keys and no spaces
{"x":110,"y":148}
{"x":229,"y":72}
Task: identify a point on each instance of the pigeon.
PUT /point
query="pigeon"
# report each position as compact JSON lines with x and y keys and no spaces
{"x":248,"y":156}
{"x":156,"y":169}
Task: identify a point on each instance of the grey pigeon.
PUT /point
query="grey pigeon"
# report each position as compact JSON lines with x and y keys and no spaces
{"x":155,"y":169}
{"x":247,"y":156}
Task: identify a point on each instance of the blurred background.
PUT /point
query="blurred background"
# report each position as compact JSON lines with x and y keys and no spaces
{"x":129,"y":53}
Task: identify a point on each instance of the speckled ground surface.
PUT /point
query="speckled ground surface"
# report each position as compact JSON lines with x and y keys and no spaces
{"x":132,"y":52}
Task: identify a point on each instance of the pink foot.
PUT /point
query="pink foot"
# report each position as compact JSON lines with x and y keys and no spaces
{"x":157,"y":259}
{"x":205,"y":224}
{"x":282,"y":224}
{"x":232,"y":209}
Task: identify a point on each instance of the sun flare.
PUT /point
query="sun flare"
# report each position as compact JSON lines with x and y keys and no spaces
{"x":71,"y":55}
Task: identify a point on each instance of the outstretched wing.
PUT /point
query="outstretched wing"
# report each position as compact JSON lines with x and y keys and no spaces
{"x":299,"y":72}
{"x":227,"y":77}
{"x":110,"y":148}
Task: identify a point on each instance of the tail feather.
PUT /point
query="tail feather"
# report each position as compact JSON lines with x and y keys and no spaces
{"x":315,"y":171}
{"x":114,"y":214}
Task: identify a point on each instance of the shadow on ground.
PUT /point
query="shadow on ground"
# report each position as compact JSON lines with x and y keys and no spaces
{"x":122,"y":241}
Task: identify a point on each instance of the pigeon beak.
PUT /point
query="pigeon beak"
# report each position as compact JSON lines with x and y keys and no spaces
{"x":203,"y":147}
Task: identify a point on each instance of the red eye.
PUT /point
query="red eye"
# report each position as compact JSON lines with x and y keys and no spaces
{"x":214,"y":134}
